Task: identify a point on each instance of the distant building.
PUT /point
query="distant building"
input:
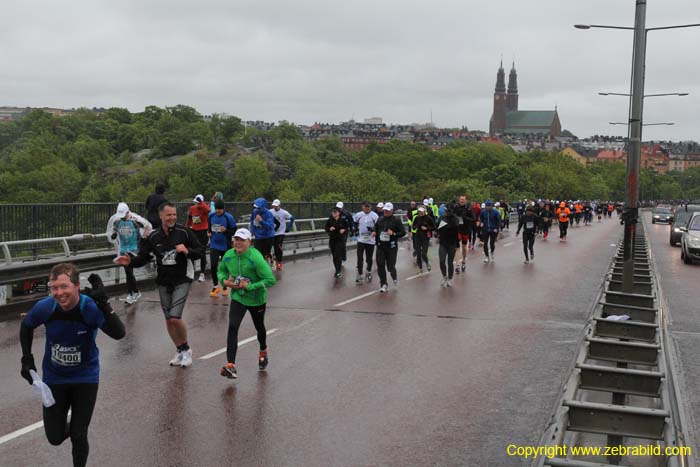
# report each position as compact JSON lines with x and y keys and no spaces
{"x":653,"y":157}
{"x":373,"y":121}
{"x":508,"y":120}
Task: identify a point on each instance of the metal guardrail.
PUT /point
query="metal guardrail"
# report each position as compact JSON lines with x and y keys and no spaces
{"x":32,"y":259}
{"x":621,"y":386}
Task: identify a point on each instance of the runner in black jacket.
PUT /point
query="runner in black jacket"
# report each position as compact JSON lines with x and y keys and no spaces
{"x":387,"y":231}
{"x":529,"y":223}
{"x":174,"y":247}
{"x":337,"y":229}
{"x":448,"y":236}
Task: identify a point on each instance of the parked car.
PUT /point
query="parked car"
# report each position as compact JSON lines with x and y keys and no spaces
{"x":690,"y":241}
{"x":662,"y":214}
{"x":680,"y":219}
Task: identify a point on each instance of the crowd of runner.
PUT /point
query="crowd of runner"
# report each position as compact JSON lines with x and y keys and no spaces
{"x":242,"y":263}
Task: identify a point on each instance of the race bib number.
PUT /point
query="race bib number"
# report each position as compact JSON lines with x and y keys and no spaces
{"x":65,"y":356}
{"x":196,"y":220}
{"x":126,"y":230}
{"x":384,"y":237}
{"x":216,"y":228}
{"x":169,"y":258}
{"x":365,"y":237}
{"x":530,"y":225}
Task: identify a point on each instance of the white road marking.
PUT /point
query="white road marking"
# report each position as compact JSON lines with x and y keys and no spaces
{"x":359,"y":297}
{"x":21,"y":431}
{"x":414,"y":277}
{"x":240,"y":343}
{"x":508,"y":244}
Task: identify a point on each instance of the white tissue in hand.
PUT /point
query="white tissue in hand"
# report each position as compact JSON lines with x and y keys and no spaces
{"x":42,"y":389}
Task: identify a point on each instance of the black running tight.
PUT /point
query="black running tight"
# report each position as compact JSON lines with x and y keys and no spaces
{"x":236,"y":312}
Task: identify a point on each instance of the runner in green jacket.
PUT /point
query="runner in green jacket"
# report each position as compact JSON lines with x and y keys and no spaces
{"x":244,"y":270}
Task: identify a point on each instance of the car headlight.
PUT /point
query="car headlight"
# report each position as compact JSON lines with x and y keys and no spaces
{"x":694,"y":242}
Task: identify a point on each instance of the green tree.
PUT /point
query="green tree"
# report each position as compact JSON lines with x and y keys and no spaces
{"x":251,"y":177}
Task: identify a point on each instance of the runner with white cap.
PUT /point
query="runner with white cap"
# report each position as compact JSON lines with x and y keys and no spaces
{"x":351,"y":227}
{"x":245,"y":271}
{"x":365,"y":221}
{"x":388,"y":230}
{"x":380,"y":209}
{"x":125,"y":230}
{"x":285,"y":221}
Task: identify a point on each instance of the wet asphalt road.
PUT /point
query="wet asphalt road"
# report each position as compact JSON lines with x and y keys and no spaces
{"x":418,"y":376}
{"x":679,"y":284}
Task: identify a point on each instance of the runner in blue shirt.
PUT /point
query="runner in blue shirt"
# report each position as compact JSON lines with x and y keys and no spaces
{"x":71,"y":363}
{"x":222,"y":225}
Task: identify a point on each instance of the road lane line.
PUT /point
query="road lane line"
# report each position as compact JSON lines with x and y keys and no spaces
{"x":240,"y":343}
{"x":20,"y":432}
{"x":359,"y":297}
{"x":413,"y":277}
{"x":508,"y":244}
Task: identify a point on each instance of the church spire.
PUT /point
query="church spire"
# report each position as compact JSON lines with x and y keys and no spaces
{"x":501,"y":79}
{"x":513,"y":81}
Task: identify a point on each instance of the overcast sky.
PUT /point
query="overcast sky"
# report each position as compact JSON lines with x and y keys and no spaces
{"x":326,"y":60}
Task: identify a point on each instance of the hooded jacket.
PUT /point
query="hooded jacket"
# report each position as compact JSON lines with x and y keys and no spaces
{"x":265,"y":228}
{"x":490,"y":220}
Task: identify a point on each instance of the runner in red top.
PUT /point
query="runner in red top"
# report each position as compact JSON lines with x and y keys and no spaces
{"x":198,"y":221}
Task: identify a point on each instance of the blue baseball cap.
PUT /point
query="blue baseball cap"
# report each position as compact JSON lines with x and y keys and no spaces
{"x":488,"y":202}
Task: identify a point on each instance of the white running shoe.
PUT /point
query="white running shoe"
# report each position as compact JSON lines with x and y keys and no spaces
{"x":201,"y":277}
{"x":186,"y":358}
{"x":493,"y":256}
{"x":129,"y":299}
{"x":136,"y":297}
{"x":487,"y":260}
{"x":449,"y":283}
{"x":384,"y":288}
{"x":526,"y":261}
{"x":396,"y":282}
{"x":176,"y":359}
{"x":443,"y":282}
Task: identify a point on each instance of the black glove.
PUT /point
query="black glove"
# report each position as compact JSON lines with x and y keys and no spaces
{"x":28,"y":364}
{"x":98,"y":294}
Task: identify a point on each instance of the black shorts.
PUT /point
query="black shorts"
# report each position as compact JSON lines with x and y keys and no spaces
{"x":264,"y":245}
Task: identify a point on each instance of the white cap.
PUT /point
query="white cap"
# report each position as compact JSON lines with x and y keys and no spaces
{"x":421,"y":208}
{"x":198,"y":199}
{"x":276,"y":202}
{"x":497,"y":204}
{"x":483,"y":205}
{"x":380,"y":205}
{"x":243,"y":234}
{"x":388,"y":206}
{"x":122,"y":209}
{"x":426,"y":202}
{"x":430,"y":200}
{"x":339,"y":205}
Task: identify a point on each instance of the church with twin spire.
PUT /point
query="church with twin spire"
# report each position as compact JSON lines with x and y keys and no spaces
{"x":508,"y":120}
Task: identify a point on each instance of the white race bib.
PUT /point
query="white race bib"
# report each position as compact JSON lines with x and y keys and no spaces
{"x":65,"y":356}
{"x":169,"y":258}
{"x":384,"y":237}
{"x":216,"y":228}
{"x":530,"y":225}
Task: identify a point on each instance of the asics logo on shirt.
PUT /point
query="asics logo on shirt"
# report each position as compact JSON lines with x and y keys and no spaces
{"x":82,"y":332}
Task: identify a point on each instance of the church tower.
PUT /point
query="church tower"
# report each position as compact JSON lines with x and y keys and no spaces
{"x":497,"y":125}
{"x":512,"y":96}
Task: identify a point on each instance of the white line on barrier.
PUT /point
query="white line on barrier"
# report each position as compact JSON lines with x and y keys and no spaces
{"x":240,"y":343}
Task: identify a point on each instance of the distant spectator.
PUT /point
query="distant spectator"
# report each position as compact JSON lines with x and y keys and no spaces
{"x":153,"y":202}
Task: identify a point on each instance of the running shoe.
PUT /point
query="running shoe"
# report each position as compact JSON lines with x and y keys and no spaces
{"x":487,"y":259}
{"x":526,"y":261}
{"x":396,"y":282}
{"x":457,"y":269}
{"x":224,"y":293}
{"x":428,"y":266}
{"x":262,"y":360}
{"x":358,"y":280}
{"x":420,"y":271}
{"x":279,"y":265}
{"x":337,"y":275}
{"x":443,"y":282}
{"x":186,"y":358}
{"x":369,"y":276}
{"x":493,"y":256}
{"x":449,"y":283}
{"x":464,"y":266}
{"x":384,"y":288}
{"x":215,"y":291}
{"x":129,"y":299}
{"x":201,"y":277}
{"x":176,"y":359}
{"x":229,"y":371}
{"x":136,"y":296}
{"x":532,"y":257}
